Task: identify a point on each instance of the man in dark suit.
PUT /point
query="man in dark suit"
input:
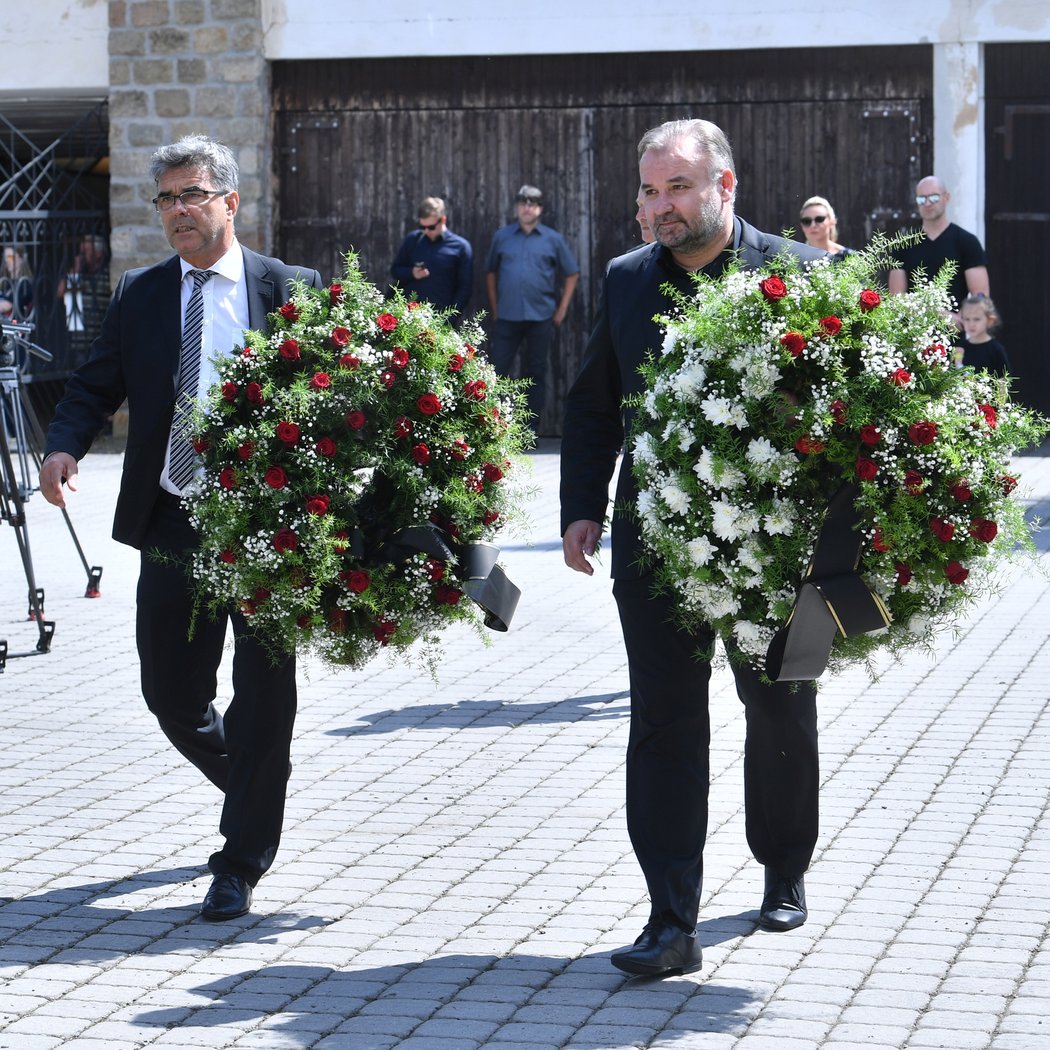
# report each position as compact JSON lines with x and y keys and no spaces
{"x":688,"y":186}
{"x":164,"y":325}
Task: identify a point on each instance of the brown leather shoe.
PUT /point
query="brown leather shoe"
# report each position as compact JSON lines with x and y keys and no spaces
{"x":228,"y":898}
{"x":784,"y":903}
{"x":661,"y":950}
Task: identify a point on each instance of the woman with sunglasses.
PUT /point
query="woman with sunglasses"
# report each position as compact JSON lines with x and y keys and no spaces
{"x":820,"y":227}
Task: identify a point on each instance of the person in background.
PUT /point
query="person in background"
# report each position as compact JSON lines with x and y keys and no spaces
{"x":434,"y":264}
{"x":525,"y":263}
{"x":643,"y":224}
{"x":820,"y":226}
{"x":942,"y":242}
{"x":978,"y":348}
{"x":164,"y":325}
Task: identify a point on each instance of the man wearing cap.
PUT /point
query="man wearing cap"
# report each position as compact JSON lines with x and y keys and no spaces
{"x":521,"y":277}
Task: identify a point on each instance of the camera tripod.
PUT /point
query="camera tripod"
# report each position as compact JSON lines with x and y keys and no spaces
{"x":19,"y":426}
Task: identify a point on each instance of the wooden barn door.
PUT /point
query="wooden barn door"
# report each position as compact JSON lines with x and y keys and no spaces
{"x":1017,"y":87}
{"x":359,"y":143}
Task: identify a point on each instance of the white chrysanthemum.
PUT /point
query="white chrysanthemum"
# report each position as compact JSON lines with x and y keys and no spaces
{"x":760,"y":451}
{"x":704,"y":467}
{"x":701,"y":550}
{"x":717,"y":603}
{"x":730,"y":521}
{"x":751,"y":638}
{"x":689,"y":382}
{"x":646,"y":505}
{"x":780,"y":520}
{"x":644,"y":450}
{"x":670,"y":339}
{"x":728,"y":477}
{"x":676,"y":498}
{"x":717,"y":410}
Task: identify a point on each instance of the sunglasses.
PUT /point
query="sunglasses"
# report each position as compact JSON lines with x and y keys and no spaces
{"x":927,"y":198}
{"x":432,"y":226}
{"x":808,"y":220}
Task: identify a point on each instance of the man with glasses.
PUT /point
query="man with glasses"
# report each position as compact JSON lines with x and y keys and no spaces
{"x":524,"y":265}
{"x":942,"y":241}
{"x":164,"y":326}
{"x":434,"y":264}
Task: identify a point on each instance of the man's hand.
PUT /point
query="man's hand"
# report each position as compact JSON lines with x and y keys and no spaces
{"x":58,"y":468}
{"x":578,"y":544}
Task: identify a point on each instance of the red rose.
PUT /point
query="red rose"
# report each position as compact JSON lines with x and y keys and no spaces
{"x":428,"y":404}
{"x":961,"y":491}
{"x":924,"y":433}
{"x":913,"y":482}
{"x":318,"y":505}
{"x":900,"y":377}
{"x":444,"y":594}
{"x":866,"y":468}
{"x":421,"y":454}
{"x":326,"y":447}
{"x":459,"y":450}
{"x":248,"y":608}
{"x":414,"y":305}
{"x":838,"y":411}
{"x":230,"y":391}
{"x":335,"y":293}
{"x":773,"y":288}
{"x":869,"y":300}
{"x":200,"y":444}
{"x":807,"y":445}
{"x":492,"y":472}
{"x":904,"y":573}
{"x":935,"y":353}
{"x":356,"y":580}
{"x":435,"y":569}
{"x":955,"y":572}
{"x":275,"y":477}
{"x":1008,"y":483}
{"x":489,"y":517}
{"x":870,"y":434}
{"x":261,"y":594}
{"x":793,"y":342}
{"x":830,"y":325}
{"x":456,"y":362}
{"x":984,"y":530}
{"x":228,"y":478}
{"x":387,"y":378}
{"x":402,"y":426}
{"x":228,"y":557}
{"x":289,"y":350}
{"x":247,"y":352}
{"x":290,"y":312}
{"x":288,"y":432}
{"x":475,"y":389}
{"x":879,"y":542}
{"x":285,"y":540}
{"x":943,"y":530}
{"x":384,"y":630}
{"x":399,"y":357}
{"x":473,"y":482}
{"x":351,"y":361}
{"x":254,"y":393}
{"x":355,"y":420}
{"x":989,"y":416}
{"x":386,"y":322}
{"x":321,"y":381}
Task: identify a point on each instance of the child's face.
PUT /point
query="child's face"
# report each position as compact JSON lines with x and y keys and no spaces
{"x":974,"y":322}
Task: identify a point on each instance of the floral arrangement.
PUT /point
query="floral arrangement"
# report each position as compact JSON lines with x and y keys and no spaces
{"x":776,"y":387}
{"x":355,"y":459}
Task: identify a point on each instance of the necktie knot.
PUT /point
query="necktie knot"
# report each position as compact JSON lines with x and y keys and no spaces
{"x":200,"y":276}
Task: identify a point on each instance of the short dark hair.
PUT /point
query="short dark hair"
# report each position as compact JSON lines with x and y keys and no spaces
{"x":197,"y":151}
{"x":709,"y":138}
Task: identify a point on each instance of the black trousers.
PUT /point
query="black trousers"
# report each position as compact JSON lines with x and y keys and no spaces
{"x":668,"y":765}
{"x":244,"y":753}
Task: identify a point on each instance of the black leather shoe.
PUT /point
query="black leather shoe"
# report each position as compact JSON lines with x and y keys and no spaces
{"x":662,"y":949}
{"x":784,"y":903}
{"x":228,"y":897}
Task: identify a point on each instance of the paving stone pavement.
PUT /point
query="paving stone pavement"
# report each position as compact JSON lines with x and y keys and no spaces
{"x":455,"y":869}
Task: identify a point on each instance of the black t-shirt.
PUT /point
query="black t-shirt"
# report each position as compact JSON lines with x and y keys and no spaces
{"x":990,"y":356}
{"x":954,"y":243}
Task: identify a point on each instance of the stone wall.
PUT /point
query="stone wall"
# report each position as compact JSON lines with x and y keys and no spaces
{"x":178,"y":67}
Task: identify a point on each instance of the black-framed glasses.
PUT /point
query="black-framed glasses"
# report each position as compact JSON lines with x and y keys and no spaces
{"x":191,"y":198}
{"x":808,"y":220}
{"x":432,"y":226}
{"x":927,"y":198}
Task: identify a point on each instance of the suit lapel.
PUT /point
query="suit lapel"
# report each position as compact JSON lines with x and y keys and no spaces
{"x":261,"y":294}
{"x":169,"y":302}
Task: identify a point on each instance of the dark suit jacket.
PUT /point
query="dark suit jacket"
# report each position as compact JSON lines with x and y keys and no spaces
{"x":624,"y":333}
{"x":136,"y":357}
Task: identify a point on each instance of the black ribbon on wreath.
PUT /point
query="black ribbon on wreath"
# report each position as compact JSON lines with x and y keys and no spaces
{"x":477,"y":572}
{"x":832,"y":599}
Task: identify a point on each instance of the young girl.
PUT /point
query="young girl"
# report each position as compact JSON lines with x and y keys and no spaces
{"x":978,"y":349}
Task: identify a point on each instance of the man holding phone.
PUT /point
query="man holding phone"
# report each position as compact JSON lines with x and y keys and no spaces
{"x":434,"y":264}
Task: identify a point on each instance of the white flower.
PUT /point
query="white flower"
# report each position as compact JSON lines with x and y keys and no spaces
{"x":690,"y":381}
{"x":730,"y":521}
{"x":700,"y":550}
{"x":780,"y":520}
{"x":676,"y":499}
{"x":718,"y":410}
{"x":760,"y":451}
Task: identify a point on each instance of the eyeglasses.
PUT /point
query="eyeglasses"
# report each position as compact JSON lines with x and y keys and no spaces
{"x":432,"y":226}
{"x":530,"y":201}
{"x":927,"y":198}
{"x":808,"y":220}
{"x":190,"y":198}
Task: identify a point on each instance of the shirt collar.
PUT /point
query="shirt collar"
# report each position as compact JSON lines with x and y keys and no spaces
{"x":230,"y":266}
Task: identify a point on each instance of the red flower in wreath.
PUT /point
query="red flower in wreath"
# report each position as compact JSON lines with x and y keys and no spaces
{"x":900,"y":377}
{"x":318,"y":505}
{"x":984,"y":530}
{"x":326,"y":447}
{"x":961,"y":491}
{"x":228,"y":478}
{"x":913,"y":482}
{"x":253,"y":393}
{"x":340,"y":337}
{"x":320,"y":381}
{"x":990,"y":416}
{"x":866,"y":468}
{"x":288,"y":432}
{"x":351,"y":361}
{"x":356,"y":580}
{"x":456,"y":362}
{"x":475,"y":389}
{"x":228,"y":557}
{"x":386,"y":322}
{"x":289,"y":350}
{"x":285,"y":541}
{"x":492,"y":472}
{"x":428,"y":404}
{"x":290,"y":312}
{"x":399,"y":357}
{"x":402,"y":427}
{"x":230,"y":391}
{"x":956,"y":572}
{"x":421,"y":454}
{"x":773,"y":288}
{"x":879,"y":542}
{"x":943,"y":530}
{"x":275,"y":477}
{"x":793,"y":342}
{"x":200,"y":444}
{"x":809,"y":445}
{"x":924,"y":433}
{"x":904,"y":573}
{"x":869,"y":300}
{"x":1008,"y":484}
{"x":830,"y":325}
{"x":838,"y":411}
{"x":335,"y":293}
{"x":384,"y":630}
{"x":870,"y":434}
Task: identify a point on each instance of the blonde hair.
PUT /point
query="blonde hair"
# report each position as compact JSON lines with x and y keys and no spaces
{"x":982,"y":300}
{"x":823,"y":202}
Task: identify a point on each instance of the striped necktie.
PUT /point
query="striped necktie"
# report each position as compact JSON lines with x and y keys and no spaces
{"x":180,"y":449}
